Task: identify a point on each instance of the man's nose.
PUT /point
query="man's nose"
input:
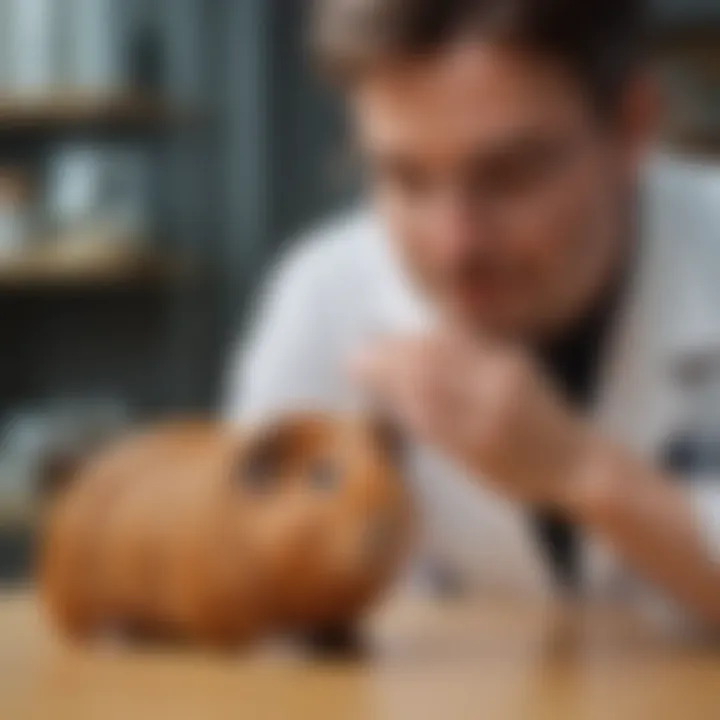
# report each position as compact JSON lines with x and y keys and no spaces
{"x":459,"y":224}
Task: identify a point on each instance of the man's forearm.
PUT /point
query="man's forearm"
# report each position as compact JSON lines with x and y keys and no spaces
{"x":648,"y":519}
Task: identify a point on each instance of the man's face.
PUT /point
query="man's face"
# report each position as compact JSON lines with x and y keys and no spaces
{"x":503,"y":190}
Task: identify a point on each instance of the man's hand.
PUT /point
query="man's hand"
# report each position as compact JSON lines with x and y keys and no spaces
{"x":489,"y":408}
{"x":492,"y":410}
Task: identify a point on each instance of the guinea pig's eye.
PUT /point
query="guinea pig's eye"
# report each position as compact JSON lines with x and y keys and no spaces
{"x":259,"y":476}
{"x":325,"y":476}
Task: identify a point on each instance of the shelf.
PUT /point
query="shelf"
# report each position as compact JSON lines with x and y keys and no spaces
{"x":49,"y":269}
{"x":73,"y":111}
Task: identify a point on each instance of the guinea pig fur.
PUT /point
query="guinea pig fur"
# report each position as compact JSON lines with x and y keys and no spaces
{"x":221,"y":535}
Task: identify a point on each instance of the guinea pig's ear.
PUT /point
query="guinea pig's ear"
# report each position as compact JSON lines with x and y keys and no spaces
{"x":389,"y":438}
{"x":264,"y":456}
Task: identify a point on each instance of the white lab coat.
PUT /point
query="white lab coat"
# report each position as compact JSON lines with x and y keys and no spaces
{"x":338,"y":287}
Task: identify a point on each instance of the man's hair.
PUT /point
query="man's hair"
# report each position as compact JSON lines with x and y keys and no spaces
{"x":601,"y":42}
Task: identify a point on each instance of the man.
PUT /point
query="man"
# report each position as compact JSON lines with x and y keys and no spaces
{"x":530,"y":296}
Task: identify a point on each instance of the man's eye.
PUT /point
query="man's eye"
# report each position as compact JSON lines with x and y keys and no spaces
{"x":325,"y":476}
{"x":524,"y":170}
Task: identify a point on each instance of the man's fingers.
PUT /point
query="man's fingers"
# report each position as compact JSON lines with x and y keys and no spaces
{"x":433,"y":386}
{"x":404,"y":378}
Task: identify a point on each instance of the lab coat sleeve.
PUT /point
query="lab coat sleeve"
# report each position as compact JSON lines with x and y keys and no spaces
{"x":288,"y":359}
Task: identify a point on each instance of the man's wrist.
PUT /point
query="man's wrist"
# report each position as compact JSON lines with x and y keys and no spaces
{"x":594,"y":488}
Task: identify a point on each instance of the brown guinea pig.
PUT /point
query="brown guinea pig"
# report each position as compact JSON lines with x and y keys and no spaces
{"x":214,"y":535}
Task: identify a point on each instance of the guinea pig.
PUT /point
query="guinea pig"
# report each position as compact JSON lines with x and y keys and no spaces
{"x":218,"y":535}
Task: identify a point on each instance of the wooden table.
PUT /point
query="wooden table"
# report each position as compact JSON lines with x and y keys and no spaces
{"x":489,"y":659}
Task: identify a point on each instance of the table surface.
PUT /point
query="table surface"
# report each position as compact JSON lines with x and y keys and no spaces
{"x":469,"y":659}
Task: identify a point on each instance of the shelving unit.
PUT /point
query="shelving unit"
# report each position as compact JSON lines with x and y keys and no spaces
{"x":85,"y":316}
{"x":117,"y":297}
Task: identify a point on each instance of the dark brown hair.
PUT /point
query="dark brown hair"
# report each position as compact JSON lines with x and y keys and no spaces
{"x":601,"y":42}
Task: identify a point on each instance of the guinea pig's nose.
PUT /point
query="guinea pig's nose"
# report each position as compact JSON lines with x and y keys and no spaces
{"x":307,"y":536}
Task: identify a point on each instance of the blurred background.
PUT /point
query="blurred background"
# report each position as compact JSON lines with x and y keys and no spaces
{"x":154,"y":154}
